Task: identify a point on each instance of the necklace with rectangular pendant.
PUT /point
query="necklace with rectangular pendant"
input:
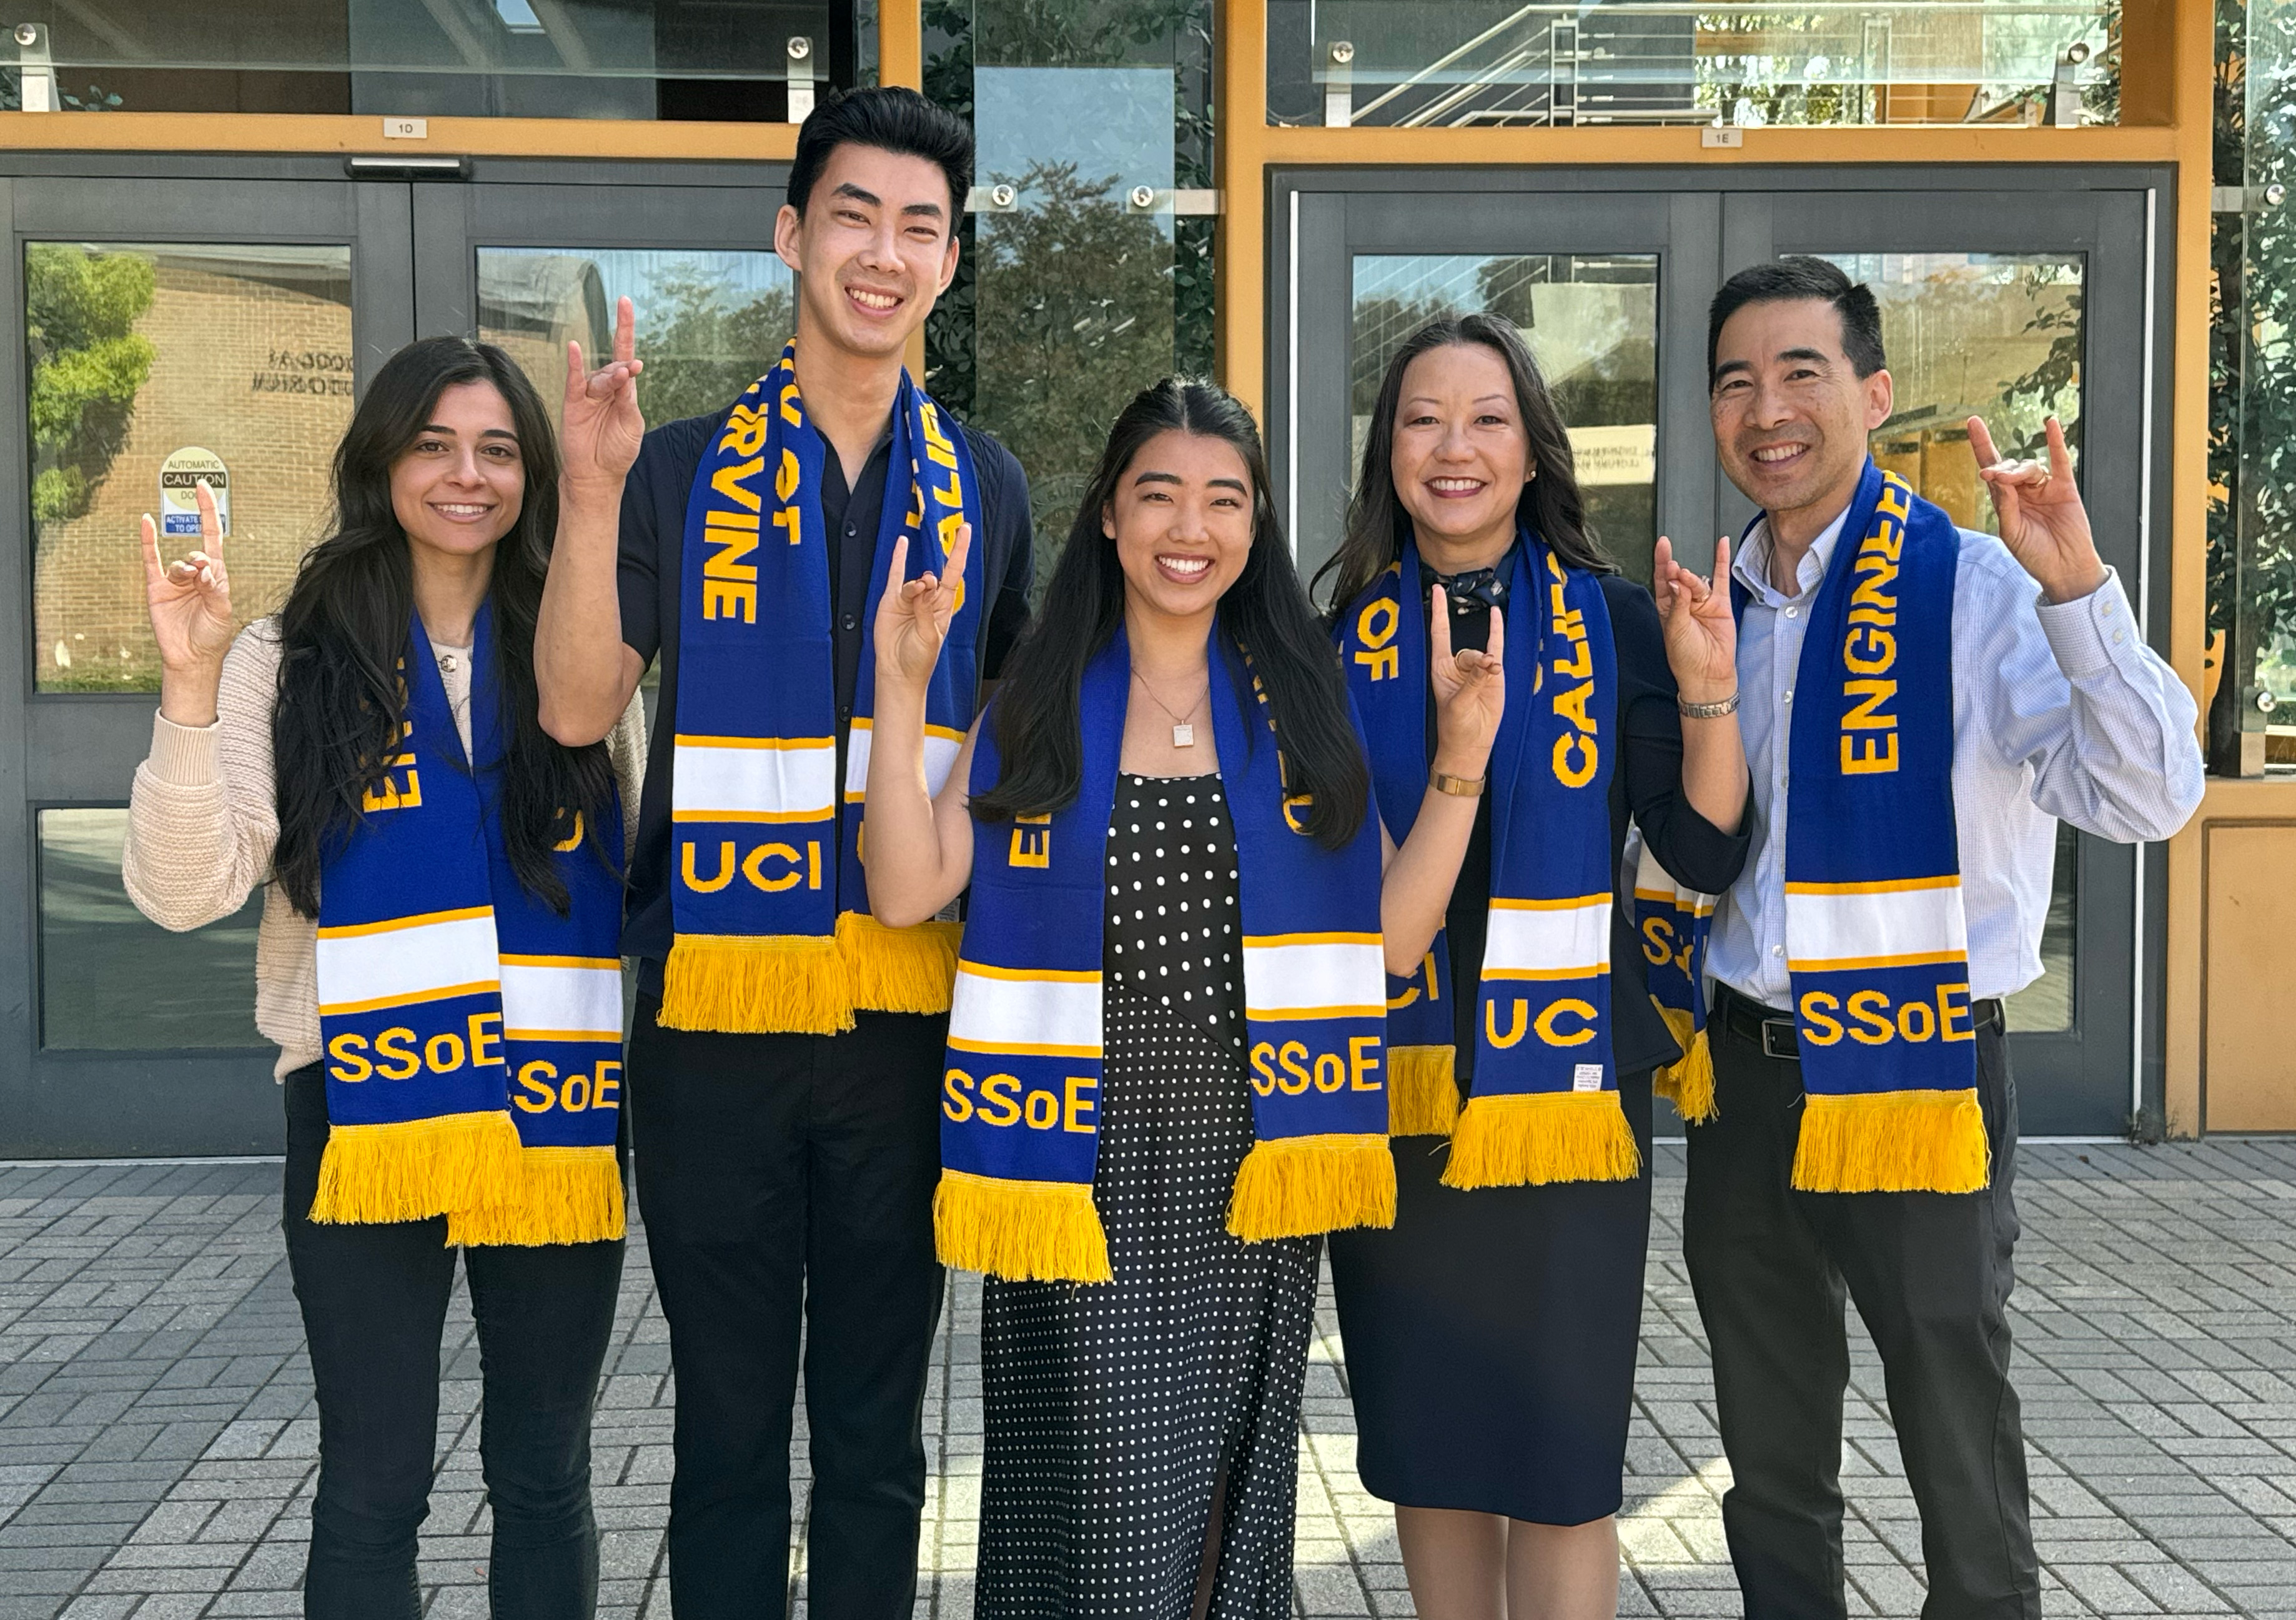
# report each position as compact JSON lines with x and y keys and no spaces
{"x":1183,"y":735}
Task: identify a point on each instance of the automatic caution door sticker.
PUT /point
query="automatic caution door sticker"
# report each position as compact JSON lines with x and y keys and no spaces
{"x":180,"y":476}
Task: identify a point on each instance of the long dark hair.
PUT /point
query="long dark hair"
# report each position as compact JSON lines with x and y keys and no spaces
{"x":1551,"y":505}
{"x":344,"y":630}
{"x":1266,"y":612}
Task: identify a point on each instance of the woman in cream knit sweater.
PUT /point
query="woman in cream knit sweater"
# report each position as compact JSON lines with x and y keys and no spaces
{"x":436,"y":960}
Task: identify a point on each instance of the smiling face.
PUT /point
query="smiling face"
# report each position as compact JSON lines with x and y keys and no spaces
{"x":1791,"y":413}
{"x":1181,"y":519}
{"x":873,"y":250}
{"x":458,"y":488}
{"x":1461,"y":454}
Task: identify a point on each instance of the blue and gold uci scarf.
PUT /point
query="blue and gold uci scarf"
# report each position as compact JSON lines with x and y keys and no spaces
{"x":1877,"y":946}
{"x":767,"y":897}
{"x":1544,"y":1102}
{"x":1019,"y":1106}
{"x":473,"y":1036}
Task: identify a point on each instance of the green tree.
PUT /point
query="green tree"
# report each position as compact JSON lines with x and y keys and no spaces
{"x":2252,"y":363}
{"x":2052,"y":386}
{"x":1070,"y":33}
{"x":702,"y":349}
{"x":948,"y":329}
{"x":1776,"y":82}
{"x":2101,"y":96}
{"x":88,"y":364}
{"x":1075,"y":297}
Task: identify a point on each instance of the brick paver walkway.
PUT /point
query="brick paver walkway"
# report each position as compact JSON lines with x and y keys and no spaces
{"x":157,"y":1441}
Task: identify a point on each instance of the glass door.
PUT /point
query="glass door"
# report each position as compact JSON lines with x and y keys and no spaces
{"x":177,"y":322}
{"x":530,"y":254}
{"x":1598,"y":286}
{"x":170,"y":326}
{"x":1995,"y":299}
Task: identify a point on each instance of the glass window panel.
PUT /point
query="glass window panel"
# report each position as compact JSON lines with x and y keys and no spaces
{"x":1998,"y":336}
{"x":630,"y":59}
{"x":2046,"y":1006}
{"x":1591,"y":322}
{"x":710,"y":322}
{"x":159,"y":362}
{"x":112,"y":979}
{"x":1992,"y":335}
{"x":1072,"y":295}
{"x":1454,"y":62}
{"x":1072,"y":285}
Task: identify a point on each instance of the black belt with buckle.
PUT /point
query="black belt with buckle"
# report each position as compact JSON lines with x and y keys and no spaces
{"x":1773,"y":1031}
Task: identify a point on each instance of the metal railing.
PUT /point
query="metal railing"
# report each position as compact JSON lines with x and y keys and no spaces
{"x":1678,"y":61}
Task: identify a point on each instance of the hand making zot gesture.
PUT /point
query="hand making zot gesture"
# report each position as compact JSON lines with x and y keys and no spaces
{"x":1701,"y":628}
{"x":912,"y":622}
{"x":2043,"y":521}
{"x":1470,"y":692}
{"x":603,"y":427}
{"x":190,"y":603}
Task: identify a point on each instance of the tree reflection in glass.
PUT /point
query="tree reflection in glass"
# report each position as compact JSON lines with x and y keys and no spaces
{"x":1071,"y":295}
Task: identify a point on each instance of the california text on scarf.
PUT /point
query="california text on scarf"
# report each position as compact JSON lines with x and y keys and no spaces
{"x":768,"y":898}
{"x":1877,"y":947}
{"x":1020,"y":1104}
{"x":1544,"y":1102}
{"x":473,"y":1036}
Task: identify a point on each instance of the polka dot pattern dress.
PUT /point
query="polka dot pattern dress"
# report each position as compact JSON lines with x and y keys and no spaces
{"x":1116,"y":1412}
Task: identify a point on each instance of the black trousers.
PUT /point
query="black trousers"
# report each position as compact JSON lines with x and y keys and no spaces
{"x":789,"y":1179}
{"x":375,"y":1301}
{"x":1930,"y":1275}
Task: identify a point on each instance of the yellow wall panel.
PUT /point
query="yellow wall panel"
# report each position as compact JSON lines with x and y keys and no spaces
{"x":2251,"y":915}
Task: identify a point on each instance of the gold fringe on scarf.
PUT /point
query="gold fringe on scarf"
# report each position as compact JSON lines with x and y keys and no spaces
{"x":898,"y":970}
{"x":373,"y":1175}
{"x":1687,"y":1082}
{"x":573,"y":1195}
{"x":744,"y":984}
{"x":806,"y":984}
{"x":1531,"y":1137}
{"x":1423,"y":1094}
{"x":1893,"y":1142}
{"x":1300,"y":1186}
{"x":1023,"y":1232}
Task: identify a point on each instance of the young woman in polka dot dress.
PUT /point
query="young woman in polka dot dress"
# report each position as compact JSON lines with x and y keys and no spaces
{"x":1141,"y":1433}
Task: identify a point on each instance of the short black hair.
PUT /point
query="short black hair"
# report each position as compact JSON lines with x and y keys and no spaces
{"x":891,"y":118}
{"x":1793,"y":279}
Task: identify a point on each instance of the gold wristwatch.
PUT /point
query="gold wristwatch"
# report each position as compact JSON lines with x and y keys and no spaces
{"x":1458,"y":787}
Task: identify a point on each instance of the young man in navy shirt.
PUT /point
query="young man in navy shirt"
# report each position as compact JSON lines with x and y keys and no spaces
{"x":784,"y":1176}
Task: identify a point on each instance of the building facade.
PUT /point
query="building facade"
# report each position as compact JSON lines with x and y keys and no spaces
{"x":224,"y":220}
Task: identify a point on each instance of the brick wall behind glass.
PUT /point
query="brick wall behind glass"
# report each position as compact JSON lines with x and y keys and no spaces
{"x":256,"y":372}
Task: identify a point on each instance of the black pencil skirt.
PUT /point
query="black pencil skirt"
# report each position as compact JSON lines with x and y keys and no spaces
{"x":1491,"y":1335}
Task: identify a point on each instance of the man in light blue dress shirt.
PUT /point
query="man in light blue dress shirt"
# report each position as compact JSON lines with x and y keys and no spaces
{"x":2059,"y":711}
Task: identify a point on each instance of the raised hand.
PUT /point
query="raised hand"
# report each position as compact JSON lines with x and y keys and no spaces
{"x":2043,"y":521}
{"x":603,"y":427}
{"x":1470,"y":692}
{"x":190,"y":604}
{"x":1701,"y":630}
{"x":913,"y":619}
